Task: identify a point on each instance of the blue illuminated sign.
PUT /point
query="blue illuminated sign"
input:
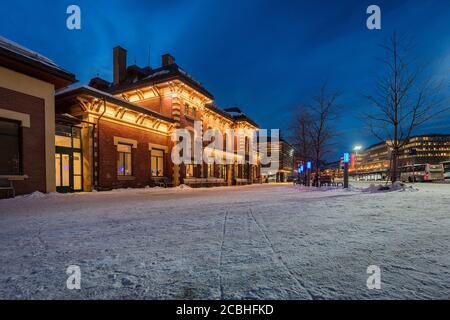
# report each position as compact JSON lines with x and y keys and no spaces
{"x":301,"y":169}
{"x":308,"y":165}
{"x":346,"y":157}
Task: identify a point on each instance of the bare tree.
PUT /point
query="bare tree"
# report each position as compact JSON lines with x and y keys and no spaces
{"x":300,"y":133}
{"x":403,"y":100}
{"x":314,"y":127}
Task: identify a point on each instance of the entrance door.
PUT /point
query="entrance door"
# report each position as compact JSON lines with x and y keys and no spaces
{"x":68,"y":170}
{"x":63,"y":171}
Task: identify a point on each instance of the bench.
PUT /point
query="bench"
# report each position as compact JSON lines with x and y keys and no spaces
{"x":204,"y":182}
{"x":163,"y":182}
{"x":241,"y":182}
{"x":6,"y":184}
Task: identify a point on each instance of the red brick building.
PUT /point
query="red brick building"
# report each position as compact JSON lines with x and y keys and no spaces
{"x":118,"y":134}
{"x":27,"y":118}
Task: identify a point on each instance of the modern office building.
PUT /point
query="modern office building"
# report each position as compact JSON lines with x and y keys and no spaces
{"x":374,"y":162}
{"x":285,"y":165}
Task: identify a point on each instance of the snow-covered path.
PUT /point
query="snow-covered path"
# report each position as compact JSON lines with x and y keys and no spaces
{"x":252,"y":242}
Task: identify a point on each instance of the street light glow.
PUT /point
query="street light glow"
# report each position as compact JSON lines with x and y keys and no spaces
{"x":357,"y":148}
{"x":346,"y":157}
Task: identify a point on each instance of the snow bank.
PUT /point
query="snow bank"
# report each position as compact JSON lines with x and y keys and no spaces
{"x":183,"y":186}
{"x":36,"y":195}
{"x":396,"y":186}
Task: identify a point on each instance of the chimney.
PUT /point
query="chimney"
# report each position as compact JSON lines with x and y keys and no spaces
{"x":167,"y":60}
{"x":119,"y":64}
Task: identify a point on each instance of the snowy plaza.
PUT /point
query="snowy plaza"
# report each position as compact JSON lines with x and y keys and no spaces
{"x":250,"y":242}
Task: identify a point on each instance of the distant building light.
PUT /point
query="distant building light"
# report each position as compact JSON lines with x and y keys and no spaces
{"x":346,"y":157}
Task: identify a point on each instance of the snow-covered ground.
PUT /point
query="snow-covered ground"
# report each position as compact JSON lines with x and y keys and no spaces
{"x":252,"y":242}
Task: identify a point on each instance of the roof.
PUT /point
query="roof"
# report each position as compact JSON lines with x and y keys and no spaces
{"x":237,"y":115}
{"x":430,"y":135}
{"x":233,"y":113}
{"x":80,"y":90}
{"x":217,"y":109}
{"x":147,"y":76}
{"x":16,"y":57}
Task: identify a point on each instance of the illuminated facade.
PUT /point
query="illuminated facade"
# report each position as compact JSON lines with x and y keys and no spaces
{"x":374,"y":162}
{"x":285,"y":164}
{"x":421,"y":149}
{"x":125,"y":127}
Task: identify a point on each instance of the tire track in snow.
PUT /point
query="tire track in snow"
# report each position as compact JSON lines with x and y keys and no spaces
{"x":224,"y":230}
{"x":278,"y":257}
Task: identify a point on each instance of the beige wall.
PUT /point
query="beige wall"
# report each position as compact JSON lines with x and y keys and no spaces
{"x":12,"y":80}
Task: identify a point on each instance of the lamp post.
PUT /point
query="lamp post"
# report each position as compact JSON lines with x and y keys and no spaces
{"x":356,"y":149}
{"x":346,"y":161}
{"x":309,"y":167}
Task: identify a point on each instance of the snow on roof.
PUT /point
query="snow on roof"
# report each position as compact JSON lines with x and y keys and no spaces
{"x":236,"y":114}
{"x":159,"y":73}
{"x":65,"y":90}
{"x":25,"y":52}
{"x":105,"y":94}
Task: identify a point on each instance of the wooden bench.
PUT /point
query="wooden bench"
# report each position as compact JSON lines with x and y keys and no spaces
{"x":204,"y":182}
{"x":241,"y":182}
{"x":6,"y":184}
{"x":163,"y":182}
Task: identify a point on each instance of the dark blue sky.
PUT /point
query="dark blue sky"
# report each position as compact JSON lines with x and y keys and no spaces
{"x":265,"y":56}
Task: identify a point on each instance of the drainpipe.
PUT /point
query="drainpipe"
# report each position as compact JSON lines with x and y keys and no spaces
{"x":98,"y":144}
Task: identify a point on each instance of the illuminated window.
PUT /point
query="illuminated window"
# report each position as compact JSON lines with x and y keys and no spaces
{"x":157,"y":165}
{"x":194,"y":112}
{"x":189,"y":170}
{"x":210,"y":170}
{"x":186,"y":109}
{"x":124,"y":162}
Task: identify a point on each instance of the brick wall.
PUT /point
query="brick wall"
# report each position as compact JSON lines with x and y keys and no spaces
{"x":140,"y":155}
{"x":33,"y":139}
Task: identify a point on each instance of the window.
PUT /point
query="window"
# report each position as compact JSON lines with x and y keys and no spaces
{"x":194,"y":112}
{"x":186,"y":109}
{"x":157,"y":165}
{"x":189,"y":170}
{"x":67,"y":136}
{"x":222,"y":172}
{"x":247,"y":146}
{"x":210,"y":170}
{"x":10,"y":142}
{"x":124,"y":163}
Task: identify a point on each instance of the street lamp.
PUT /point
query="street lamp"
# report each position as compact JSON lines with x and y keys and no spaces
{"x":356,"y":149}
{"x":346,"y":161}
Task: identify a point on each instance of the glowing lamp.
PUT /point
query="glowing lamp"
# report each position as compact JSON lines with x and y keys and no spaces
{"x":346,"y":157}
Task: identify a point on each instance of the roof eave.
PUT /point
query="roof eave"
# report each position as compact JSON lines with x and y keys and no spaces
{"x":84,"y":90}
{"x":59,"y":77}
